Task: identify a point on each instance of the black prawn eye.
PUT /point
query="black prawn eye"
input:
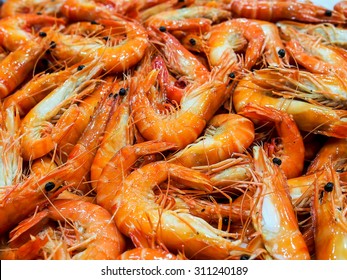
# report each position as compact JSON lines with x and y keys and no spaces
{"x":162,"y":28}
{"x":49,"y":186}
{"x":80,"y":67}
{"x":192,"y":41}
{"x":122,"y":92}
{"x":277,"y":161}
{"x":329,"y":187}
{"x":281,"y":53}
{"x":328,"y":13}
{"x":244,"y":257}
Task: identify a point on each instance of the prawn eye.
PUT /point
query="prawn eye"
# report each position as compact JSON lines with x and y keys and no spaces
{"x":232,"y":75}
{"x":281,"y":53}
{"x":328,"y":13}
{"x":122,"y":91}
{"x":42,"y":34}
{"x":192,"y":41}
{"x":52,"y":44}
{"x":105,"y":38}
{"x":93,"y":22}
{"x":244,"y":257}
{"x":49,"y":186}
{"x":80,"y":67}
{"x":162,"y":28}
{"x":38,"y":13}
{"x":226,"y":221}
{"x":277,"y":161}
{"x":329,"y":187}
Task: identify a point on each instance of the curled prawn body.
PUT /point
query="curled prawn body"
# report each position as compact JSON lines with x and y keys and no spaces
{"x":275,"y":10}
{"x":182,"y":126}
{"x":17,"y":30}
{"x":308,"y":117}
{"x":195,"y":18}
{"x":120,"y":166}
{"x":225,"y":134}
{"x":35,"y":90}
{"x":135,"y":209}
{"x":329,"y":219}
{"x":115,"y":58}
{"x":37,"y":131}
{"x":232,"y":35}
{"x":291,"y":151}
{"x":98,"y":236}
{"x":273,"y":215}
{"x":313,"y":55}
{"x":47,"y":7}
{"x":180,"y":61}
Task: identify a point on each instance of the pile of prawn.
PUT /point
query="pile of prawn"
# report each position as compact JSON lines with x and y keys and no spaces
{"x":170,"y":129}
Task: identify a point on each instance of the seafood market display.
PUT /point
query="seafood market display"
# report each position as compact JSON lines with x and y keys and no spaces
{"x":173,"y":129}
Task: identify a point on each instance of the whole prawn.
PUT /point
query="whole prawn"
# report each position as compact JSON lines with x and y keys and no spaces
{"x":291,"y":151}
{"x":273,"y":214}
{"x":38,"y":134}
{"x":230,"y":36}
{"x":225,"y":134}
{"x":308,"y":117}
{"x":275,"y":10}
{"x":181,"y":126}
{"x":135,"y":209}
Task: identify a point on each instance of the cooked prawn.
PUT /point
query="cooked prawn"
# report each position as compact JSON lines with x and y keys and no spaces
{"x":120,"y":166}
{"x":118,"y":133}
{"x":291,"y":150}
{"x":329,"y":219}
{"x":225,"y":134}
{"x":194,"y":18}
{"x":231,"y":36}
{"x":182,"y":126}
{"x":47,"y":7}
{"x":273,"y":214}
{"x":135,"y":208}
{"x":37,"y":130}
{"x":325,"y":89}
{"x":308,"y":117}
{"x":17,"y":65}
{"x":275,"y":10}
{"x":115,"y":58}
{"x":17,"y":30}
